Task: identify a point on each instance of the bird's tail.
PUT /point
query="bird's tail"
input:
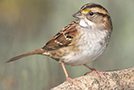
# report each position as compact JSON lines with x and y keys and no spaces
{"x":38,"y":51}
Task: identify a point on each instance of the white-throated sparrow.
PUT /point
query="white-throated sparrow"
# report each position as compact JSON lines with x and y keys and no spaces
{"x":81,"y":41}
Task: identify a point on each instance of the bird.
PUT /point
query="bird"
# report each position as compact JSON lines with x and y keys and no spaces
{"x":81,"y":41}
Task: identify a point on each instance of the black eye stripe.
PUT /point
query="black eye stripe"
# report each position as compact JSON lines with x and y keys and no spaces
{"x":103,"y":15}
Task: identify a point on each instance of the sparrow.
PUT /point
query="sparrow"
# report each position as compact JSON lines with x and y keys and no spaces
{"x":81,"y":41}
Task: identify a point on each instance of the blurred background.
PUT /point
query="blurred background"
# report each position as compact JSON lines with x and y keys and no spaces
{"x":26,"y":25}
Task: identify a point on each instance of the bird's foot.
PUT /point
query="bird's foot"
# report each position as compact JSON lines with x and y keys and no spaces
{"x":98,"y":72}
{"x":71,"y":80}
{"x":94,"y":70}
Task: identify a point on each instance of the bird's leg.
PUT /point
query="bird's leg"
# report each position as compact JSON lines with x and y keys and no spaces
{"x":94,"y":70}
{"x":66,"y":74}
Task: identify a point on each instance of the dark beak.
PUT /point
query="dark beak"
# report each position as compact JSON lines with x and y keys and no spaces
{"x":77,"y":14}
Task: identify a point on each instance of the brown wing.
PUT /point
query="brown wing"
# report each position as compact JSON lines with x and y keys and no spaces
{"x":63,"y":38}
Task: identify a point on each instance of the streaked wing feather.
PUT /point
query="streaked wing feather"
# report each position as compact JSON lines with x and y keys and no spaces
{"x":62,"y":38}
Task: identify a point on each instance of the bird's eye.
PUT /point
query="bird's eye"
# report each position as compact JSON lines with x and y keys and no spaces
{"x":91,"y":13}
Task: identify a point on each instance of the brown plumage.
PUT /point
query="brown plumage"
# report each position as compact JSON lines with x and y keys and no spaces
{"x":38,"y":51}
{"x":62,"y":39}
{"x":81,"y":41}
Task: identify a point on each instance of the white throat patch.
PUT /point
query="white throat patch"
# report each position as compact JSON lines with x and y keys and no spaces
{"x":85,"y":23}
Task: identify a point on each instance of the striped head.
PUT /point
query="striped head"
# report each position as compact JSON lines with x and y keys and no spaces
{"x":94,"y":14}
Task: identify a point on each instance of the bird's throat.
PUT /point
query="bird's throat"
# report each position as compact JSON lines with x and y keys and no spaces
{"x":85,"y":23}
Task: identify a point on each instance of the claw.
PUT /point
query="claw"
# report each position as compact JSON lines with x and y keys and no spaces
{"x":71,"y":80}
{"x":94,"y":70}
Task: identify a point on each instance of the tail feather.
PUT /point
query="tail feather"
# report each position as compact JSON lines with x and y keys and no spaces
{"x":38,"y":51}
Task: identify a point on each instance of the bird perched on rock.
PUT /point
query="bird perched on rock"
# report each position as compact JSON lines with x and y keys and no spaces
{"x":81,"y":41}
